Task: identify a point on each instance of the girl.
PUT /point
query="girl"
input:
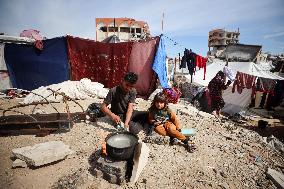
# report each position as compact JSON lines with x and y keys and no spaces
{"x":165,"y":121}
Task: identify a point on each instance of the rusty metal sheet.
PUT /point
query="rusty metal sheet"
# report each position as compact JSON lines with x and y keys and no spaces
{"x":39,"y":123}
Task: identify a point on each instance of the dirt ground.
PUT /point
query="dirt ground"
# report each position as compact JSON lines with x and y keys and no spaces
{"x":227,"y":155}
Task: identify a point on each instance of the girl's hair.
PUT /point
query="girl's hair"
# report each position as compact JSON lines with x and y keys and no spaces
{"x":159,"y":97}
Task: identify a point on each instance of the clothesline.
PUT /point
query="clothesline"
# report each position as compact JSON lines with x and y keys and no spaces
{"x":174,"y":42}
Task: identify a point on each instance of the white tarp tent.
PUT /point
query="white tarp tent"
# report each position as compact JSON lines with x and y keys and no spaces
{"x":235,"y":102}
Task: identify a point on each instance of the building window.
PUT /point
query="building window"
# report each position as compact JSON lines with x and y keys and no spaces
{"x":104,"y":29}
{"x":138,"y":30}
{"x":113,"y":29}
{"x":125,"y":29}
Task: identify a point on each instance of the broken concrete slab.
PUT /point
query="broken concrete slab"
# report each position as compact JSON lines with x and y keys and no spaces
{"x":276,"y":177}
{"x":275,"y":144}
{"x":43,"y":153}
{"x":19,"y":163}
{"x":140,"y":159}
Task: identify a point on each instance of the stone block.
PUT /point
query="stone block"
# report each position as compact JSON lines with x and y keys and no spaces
{"x":43,"y":153}
{"x":112,"y":171}
{"x":107,"y":165}
{"x":19,"y":163}
{"x":140,"y":159}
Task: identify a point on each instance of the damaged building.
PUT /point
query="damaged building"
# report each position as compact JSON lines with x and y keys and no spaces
{"x":219,"y":39}
{"x":225,"y":45}
{"x":126,"y":29}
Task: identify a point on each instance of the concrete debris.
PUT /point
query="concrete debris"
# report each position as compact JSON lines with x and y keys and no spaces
{"x":275,"y":144}
{"x":43,"y":153}
{"x":276,"y":177}
{"x":140,"y":159}
{"x":19,"y":163}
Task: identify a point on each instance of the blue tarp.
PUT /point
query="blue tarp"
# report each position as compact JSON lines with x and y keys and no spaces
{"x":159,"y":65}
{"x":30,"y":68}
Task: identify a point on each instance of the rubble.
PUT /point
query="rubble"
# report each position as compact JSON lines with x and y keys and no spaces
{"x":43,"y":153}
{"x":238,"y":155}
{"x":276,"y":177}
{"x":19,"y":163}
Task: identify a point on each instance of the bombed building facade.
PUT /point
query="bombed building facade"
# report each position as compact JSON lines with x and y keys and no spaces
{"x":126,"y":29}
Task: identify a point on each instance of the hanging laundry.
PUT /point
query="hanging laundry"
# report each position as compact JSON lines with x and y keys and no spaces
{"x":229,"y":73}
{"x":159,"y":65}
{"x":265,"y":85}
{"x":244,"y":81}
{"x":201,"y":63}
{"x":183,"y":63}
{"x":190,"y":60}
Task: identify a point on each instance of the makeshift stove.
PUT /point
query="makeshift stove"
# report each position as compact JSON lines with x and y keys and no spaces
{"x":126,"y":157}
{"x":114,"y":171}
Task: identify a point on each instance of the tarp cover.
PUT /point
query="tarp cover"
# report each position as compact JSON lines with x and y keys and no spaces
{"x":244,"y":67}
{"x":4,"y":76}
{"x":30,"y":68}
{"x":234,"y":102}
{"x":105,"y":63}
{"x":141,"y":60}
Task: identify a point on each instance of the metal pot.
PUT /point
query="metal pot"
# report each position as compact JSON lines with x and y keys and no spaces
{"x":120,"y":146}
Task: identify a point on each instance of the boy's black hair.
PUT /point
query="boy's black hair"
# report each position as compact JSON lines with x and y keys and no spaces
{"x":131,"y":77}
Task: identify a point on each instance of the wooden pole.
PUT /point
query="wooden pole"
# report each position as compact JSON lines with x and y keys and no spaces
{"x":163,"y":15}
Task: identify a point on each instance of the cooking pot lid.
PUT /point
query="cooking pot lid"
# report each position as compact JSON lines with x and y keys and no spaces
{"x":122,"y":140}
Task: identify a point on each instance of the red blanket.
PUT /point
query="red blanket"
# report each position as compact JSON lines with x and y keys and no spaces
{"x":105,"y":63}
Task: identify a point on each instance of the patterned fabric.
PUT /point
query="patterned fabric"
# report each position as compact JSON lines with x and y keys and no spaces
{"x":216,"y":85}
{"x":173,"y":94}
{"x":217,"y":103}
{"x":106,"y":63}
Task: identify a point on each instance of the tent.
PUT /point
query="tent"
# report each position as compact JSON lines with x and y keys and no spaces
{"x":234,"y":102}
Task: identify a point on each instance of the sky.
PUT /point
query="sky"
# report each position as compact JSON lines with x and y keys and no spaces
{"x":187,"y":22}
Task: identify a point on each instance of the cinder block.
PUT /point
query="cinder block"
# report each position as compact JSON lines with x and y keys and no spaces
{"x":112,"y":171}
{"x":112,"y":167}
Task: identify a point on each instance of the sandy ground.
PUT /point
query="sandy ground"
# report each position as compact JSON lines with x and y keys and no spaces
{"x":227,"y":155}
